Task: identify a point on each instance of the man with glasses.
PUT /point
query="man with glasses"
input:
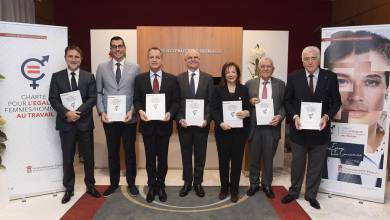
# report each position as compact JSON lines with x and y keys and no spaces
{"x":310,"y":84}
{"x":264,"y":139}
{"x":194,"y":84}
{"x":115,"y":78}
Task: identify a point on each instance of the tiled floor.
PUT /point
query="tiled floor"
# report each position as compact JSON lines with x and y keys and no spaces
{"x":337,"y":208}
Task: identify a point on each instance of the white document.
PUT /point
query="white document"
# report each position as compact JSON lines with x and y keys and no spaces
{"x":155,"y":106}
{"x":229,"y":109}
{"x":116,"y":107}
{"x":71,"y":100}
{"x":310,"y":115}
{"x":264,"y":111}
{"x":194,"y":112}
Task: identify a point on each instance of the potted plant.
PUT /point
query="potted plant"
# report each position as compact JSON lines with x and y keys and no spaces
{"x":4,"y":194}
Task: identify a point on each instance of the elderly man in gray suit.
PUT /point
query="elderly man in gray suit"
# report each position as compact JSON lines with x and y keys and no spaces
{"x":194,"y":84}
{"x":263,"y":139}
{"x":116,"y":78}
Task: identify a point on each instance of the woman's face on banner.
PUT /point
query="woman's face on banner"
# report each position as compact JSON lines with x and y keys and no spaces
{"x":362,"y":85}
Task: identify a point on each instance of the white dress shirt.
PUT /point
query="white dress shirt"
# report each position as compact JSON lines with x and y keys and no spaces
{"x":196,"y":78}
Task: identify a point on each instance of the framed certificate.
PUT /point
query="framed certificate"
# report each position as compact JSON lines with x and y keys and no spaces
{"x":71,"y":100}
{"x":264,"y":112}
{"x":116,"y":107}
{"x":155,"y":106}
{"x":230,"y":108}
{"x":310,"y":115}
{"x":194,"y":112}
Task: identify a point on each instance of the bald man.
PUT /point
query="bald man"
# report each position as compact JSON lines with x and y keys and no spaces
{"x":194,"y":84}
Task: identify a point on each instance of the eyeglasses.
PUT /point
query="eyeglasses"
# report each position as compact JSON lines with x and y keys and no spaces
{"x":306,"y":59}
{"x":121,"y":46}
{"x":266,"y":67}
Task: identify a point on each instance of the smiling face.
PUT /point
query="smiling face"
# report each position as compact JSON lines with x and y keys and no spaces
{"x":266,"y":67}
{"x":155,"y":60}
{"x":118,"y":50}
{"x":192,"y":59}
{"x":73,"y":59}
{"x":362,"y":85}
{"x":231,"y":75}
{"x":311,"y":61}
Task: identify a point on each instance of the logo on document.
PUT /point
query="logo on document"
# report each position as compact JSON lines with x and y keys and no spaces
{"x":32,"y":69}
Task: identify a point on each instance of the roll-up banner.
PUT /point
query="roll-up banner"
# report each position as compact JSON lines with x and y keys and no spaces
{"x":29,"y":55}
{"x":357,"y":157}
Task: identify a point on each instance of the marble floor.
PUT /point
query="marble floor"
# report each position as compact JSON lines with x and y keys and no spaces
{"x":335,"y":207}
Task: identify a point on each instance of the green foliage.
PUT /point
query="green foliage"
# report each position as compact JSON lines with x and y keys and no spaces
{"x":2,"y":77}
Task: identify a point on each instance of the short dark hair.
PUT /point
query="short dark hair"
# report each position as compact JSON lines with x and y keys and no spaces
{"x":226,"y":67}
{"x":74,"y":47}
{"x":154,"y":48}
{"x":346,"y":42}
{"x":117,"y":38}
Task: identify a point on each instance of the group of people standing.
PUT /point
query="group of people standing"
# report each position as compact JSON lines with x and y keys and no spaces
{"x":120,"y":77}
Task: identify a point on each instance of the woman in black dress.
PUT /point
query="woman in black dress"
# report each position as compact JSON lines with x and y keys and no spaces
{"x":230,"y":141}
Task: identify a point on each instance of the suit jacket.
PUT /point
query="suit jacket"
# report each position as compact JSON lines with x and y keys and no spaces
{"x":326,"y":92}
{"x":170,"y":88}
{"x":87,"y":85}
{"x":221,"y":93}
{"x":278,"y":87}
{"x":106,"y":85}
{"x":204,"y":91}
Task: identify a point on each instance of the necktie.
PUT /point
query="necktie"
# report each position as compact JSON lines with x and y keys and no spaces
{"x":264,"y":92}
{"x":118,"y":73}
{"x":192,"y":84}
{"x":155,"y":84}
{"x":73,"y":82}
{"x":311,"y":84}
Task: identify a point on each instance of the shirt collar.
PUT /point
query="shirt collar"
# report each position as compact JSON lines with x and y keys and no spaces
{"x":159,"y":73}
{"x":376,"y":156}
{"x":197,"y":72}
{"x":315,"y":74}
{"x":76,"y":72}
{"x":122,"y":62}
{"x":262,"y":80}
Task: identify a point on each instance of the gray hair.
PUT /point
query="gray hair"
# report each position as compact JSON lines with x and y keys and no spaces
{"x":313,"y":49}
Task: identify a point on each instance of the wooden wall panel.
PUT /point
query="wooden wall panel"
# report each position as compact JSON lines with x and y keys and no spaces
{"x":217,"y":45}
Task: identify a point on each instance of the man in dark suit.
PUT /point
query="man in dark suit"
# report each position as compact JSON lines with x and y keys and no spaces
{"x":194,"y":84}
{"x":156,"y":133}
{"x":116,"y":78}
{"x":75,"y":125}
{"x":310,"y":84}
{"x":264,"y":139}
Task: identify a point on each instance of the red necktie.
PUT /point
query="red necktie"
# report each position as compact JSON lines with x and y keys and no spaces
{"x":264,"y":93}
{"x":155,"y":84}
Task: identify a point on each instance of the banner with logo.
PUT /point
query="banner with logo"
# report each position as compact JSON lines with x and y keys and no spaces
{"x":29,"y":55}
{"x":357,"y":157}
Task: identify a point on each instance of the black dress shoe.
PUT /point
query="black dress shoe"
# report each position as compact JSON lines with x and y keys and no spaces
{"x":223,"y":194}
{"x":185,"y":190}
{"x":151,"y":194}
{"x":110,"y":190}
{"x":288,"y":198}
{"x":199,"y":190}
{"x":162,"y":195}
{"x":93,"y":192}
{"x":252,"y":190}
{"x":68,"y":194}
{"x":268,"y":192}
{"x":313,"y":202}
{"x":234,"y":197}
{"x":133,"y":191}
